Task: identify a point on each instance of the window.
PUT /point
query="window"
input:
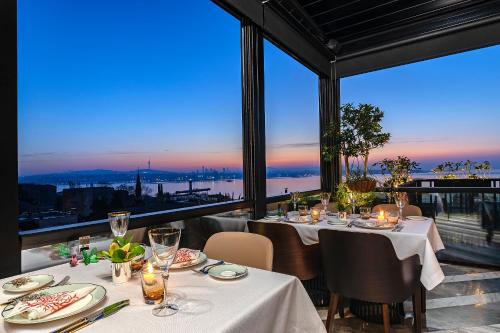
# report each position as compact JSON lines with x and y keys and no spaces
{"x":292,"y":124}
{"x":139,"y":110}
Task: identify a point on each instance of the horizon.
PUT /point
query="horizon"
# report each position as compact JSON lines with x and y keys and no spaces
{"x":92,"y":99}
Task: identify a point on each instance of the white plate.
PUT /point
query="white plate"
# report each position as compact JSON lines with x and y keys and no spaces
{"x":89,"y":301}
{"x":371,"y":224}
{"x":201,"y":258}
{"x":300,"y":219}
{"x":415,"y":218}
{"x":228,"y":271}
{"x":37,"y":281}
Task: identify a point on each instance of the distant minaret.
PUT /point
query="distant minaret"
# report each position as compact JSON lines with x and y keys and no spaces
{"x":149,"y":164}
{"x":138,"y":187}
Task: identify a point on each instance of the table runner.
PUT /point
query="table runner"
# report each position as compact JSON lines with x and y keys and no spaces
{"x":260,"y":302}
{"x":417,"y":237}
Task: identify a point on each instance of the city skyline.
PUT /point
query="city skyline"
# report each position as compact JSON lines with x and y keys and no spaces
{"x":132,"y":87}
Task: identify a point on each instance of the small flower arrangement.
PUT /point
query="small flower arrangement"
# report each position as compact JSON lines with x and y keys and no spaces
{"x":121,"y":250}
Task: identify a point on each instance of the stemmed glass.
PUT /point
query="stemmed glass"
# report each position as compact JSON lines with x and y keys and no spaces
{"x":295,"y":199}
{"x":352,"y":200}
{"x":119,"y":223}
{"x":325,"y":200}
{"x":164,"y":245}
{"x":401,"y":198}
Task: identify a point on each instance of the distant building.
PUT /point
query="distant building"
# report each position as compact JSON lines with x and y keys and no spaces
{"x":37,"y":198}
{"x":87,"y":201}
{"x":138,"y":187}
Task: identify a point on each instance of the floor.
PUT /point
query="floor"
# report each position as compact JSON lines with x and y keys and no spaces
{"x":468,"y":300}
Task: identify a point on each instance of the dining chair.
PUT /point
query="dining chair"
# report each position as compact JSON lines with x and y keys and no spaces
{"x":365,"y":267}
{"x":291,"y":255}
{"x":408,"y":210}
{"x":241,"y":248}
{"x":332,"y":207}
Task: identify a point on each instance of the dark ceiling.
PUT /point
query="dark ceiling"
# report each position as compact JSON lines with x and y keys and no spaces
{"x":360,"y":25}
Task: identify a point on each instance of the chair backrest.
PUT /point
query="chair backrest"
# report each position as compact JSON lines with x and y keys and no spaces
{"x":241,"y":248}
{"x":291,"y":255}
{"x":364,"y":266}
{"x":408,"y":210}
{"x":332,"y":207}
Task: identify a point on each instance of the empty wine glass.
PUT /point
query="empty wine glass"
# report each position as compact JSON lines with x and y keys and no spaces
{"x":325,"y":200}
{"x":352,"y":201}
{"x":119,"y":223}
{"x":295,"y":199}
{"x":164,"y":245}
{"x":401,"y":198}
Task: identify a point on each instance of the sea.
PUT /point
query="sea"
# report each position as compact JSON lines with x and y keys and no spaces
{"x":275,"y":186}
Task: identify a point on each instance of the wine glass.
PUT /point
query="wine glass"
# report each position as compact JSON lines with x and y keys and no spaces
{"x":401,"y":199}
{"x":295,"y":199}
{"x":119,"y":223}
{"x":164,"y":245}
{"x":325,"y":200}
{"x":352,"y":201}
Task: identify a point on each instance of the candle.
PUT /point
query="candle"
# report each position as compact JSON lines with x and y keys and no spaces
{"x":381,"y":217}
{"x":315,"y":214}
{"x":152,"y":284}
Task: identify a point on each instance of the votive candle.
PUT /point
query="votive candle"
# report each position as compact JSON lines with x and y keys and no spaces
{"x":152,"y":284}
{"x":315,"y":214}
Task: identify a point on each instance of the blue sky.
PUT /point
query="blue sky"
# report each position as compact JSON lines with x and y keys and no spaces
{"x":110,"y":84}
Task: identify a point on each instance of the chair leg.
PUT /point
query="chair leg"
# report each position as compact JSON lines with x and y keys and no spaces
{"x":386,"y":317}
{"x":424,"y":298}
{"x":340,"y":306}
{"x":332,"y":309}
{"x":417,"y":311}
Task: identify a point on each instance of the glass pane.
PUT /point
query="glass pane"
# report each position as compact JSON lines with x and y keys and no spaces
{"x":292,"y":124}
{"x":137,"y":111}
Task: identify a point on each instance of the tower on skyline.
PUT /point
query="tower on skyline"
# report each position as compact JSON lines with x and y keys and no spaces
{"x":149,"y":164}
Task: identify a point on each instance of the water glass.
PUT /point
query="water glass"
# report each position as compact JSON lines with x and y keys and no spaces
{"x":295,"y":199}
{"x":365,"y":212}
{"x":325,"y":200}
{"x":164,"y":244}
{"x":392,"y":217}
{"x":119,"y":223}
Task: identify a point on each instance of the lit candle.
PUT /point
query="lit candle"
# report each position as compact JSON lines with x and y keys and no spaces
{"x":148,"y":275}
{"x":381,"y":216}
{"x":315,"y":214}
{"x":152,"y":284}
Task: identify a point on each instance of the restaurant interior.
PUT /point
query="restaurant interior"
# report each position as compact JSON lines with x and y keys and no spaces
{"x":320,"y":260}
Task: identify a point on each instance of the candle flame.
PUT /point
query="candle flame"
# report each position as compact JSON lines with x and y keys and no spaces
{"x":381,"y":214}
{"x":150,"y":268}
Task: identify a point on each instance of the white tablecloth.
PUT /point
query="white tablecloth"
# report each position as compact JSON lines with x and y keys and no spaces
{"x":417,"y":237}
{"x":260,"y":302}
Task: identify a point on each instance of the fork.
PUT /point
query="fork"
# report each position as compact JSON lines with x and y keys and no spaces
{"x":205,"y":269}
{"x":50,"y":285}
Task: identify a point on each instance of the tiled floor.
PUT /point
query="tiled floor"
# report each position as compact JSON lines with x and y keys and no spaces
{"x":468,"y":301}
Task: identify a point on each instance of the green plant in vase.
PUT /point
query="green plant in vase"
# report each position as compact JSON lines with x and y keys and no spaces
{"x":121,"y":253}
{"x":342,"y":197}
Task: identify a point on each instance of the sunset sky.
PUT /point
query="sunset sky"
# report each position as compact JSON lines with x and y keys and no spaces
{"x":111,"y":84}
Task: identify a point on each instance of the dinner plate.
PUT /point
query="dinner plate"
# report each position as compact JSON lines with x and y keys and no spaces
{"x":37,"y":281}
{"x":228,"y":271}
{"x":415,"y":218}
{"x":371,"y":224}
{"x":89,"y":301}
{"x":201,"y":258}
{"x":335,"y":221}
{"x":299,"y":219}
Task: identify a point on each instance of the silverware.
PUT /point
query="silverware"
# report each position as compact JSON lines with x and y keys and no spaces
{"x":397,"y":228}
{"x":205,"y":269}
{"x":49,"y":285}
{"x":349,"y":225}
{"x":92,"y":318}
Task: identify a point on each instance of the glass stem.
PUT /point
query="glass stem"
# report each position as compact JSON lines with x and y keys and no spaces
{"x":401,"y":213}
{"x":165,"y":284}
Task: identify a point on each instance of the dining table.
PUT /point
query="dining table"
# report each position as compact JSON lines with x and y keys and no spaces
{"x":417,"y":236}
{"x":261,"y":301}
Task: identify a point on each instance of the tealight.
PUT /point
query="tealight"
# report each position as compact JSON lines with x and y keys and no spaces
{"x":315,"y":214}
{"x":152,"y":284}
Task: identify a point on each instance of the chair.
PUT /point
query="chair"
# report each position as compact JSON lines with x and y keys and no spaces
{"x":291,"y":255}
{"x":364,"y":266}
{"x":408,"y":210}
{"x":241,"y":248}
{"x":332,"y":207}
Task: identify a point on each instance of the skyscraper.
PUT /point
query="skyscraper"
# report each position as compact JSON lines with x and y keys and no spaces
{"x":138,"y":187}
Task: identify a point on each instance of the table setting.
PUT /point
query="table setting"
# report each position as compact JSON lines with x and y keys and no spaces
{"x":409,"y":235}
{"x":173,"y":290}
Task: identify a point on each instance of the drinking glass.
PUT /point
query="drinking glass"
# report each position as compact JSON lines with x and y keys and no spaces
{"x":164,"y":245}
{"x":365,"y":212}
{"x":325,"y":200}
{"x":295,"y":199}
{"x":119,"y":223}
{"x":401,"y":199}
{"x":352,"y":200}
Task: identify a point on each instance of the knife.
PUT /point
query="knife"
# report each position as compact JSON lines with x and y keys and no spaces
{"x":92,"y":318}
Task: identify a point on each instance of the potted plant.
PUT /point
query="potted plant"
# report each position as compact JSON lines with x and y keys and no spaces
{"x":121,"y":252}
{"x":359,"y":132}
{"x":399,"y":170}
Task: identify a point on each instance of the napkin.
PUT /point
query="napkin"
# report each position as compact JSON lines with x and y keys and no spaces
{"x":184,"y":255}
{"x":47,"y":304}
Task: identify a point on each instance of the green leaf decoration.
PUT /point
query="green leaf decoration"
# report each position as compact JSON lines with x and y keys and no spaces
{"x":119,"y":256}
{"x":120,"y":241}
{"x":90,"y":257}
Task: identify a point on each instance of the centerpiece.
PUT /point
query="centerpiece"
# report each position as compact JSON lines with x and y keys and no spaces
{"x":121,"y":253}
{"x":359,"y":132}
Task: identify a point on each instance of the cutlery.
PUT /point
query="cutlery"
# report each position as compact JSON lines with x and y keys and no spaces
{"x":50,"y":285}
{"x":92,"y":318}
{"x":204,"y":270}
{"x":349,"y":225}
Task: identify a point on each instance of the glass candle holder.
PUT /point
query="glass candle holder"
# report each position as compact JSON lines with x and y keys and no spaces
{"x":315,"y":214}
{"x":365,"y":212}
{"x":152,"y":284}
{"x":343,"y":216}
{"x":381,"y":219}
{"x":303,"y":210}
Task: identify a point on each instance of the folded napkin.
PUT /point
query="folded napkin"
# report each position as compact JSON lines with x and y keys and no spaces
{"x":46,"y":304}
{"x":184,"y":255}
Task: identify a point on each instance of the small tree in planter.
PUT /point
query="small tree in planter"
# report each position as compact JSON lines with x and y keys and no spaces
{"x":399,"y":170}
{"x":359,"y":132}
